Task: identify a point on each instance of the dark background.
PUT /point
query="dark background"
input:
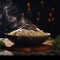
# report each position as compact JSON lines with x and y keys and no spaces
{"x":52,"y":27}
{"x":43,"y":23}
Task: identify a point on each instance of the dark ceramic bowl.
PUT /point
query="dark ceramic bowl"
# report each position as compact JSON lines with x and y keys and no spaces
{"x":22,"y":41}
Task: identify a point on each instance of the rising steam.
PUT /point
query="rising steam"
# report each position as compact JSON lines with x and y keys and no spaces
{"x":8,"y":17}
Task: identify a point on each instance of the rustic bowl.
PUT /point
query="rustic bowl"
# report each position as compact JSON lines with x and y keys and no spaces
{"x":27,"y":41}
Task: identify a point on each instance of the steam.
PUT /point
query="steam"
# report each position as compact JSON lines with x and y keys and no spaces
{"x":12,"y":20}
{"x":23,"y":21}
{"x":9,"y":13}
{"x":7,"y":20}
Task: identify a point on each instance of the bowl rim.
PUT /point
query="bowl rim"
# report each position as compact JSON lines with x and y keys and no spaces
{"x":47,"y":34}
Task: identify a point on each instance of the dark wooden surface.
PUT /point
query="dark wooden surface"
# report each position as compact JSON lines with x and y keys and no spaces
{"x":43,"y":47}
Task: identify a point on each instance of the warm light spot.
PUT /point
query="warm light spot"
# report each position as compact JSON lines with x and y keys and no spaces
{"x":53,"y":19}
{"x":22,"y":14}
{"x":28,"y":4}
{"x":42,"y":2}
{"x":29,"y":9}
{"x":37,"y":18}
{"x":53,"y":9}
{"x":50,"y":14}
{"x":38,"y":13}
{"x":49,"y":19}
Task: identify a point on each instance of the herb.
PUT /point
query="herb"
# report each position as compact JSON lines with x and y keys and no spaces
{"x":2,"y":44}
{"x":56,"y":43}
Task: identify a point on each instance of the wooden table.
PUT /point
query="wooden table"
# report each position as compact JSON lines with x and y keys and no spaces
{"x":47,"y":45}
{"x":30,"y":49}
{"x":44,"y":47}
{"x":37,"y":50}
